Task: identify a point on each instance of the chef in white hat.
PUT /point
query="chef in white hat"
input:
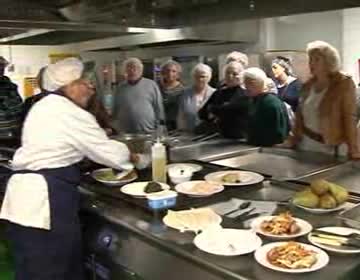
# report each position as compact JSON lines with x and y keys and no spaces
{"x":41,"y":199}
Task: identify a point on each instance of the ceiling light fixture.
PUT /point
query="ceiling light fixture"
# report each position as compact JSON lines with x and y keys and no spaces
{"x":252,"y":5}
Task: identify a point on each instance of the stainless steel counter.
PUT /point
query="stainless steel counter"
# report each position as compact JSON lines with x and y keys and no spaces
{"x":281,"y":163}
{"x":209,"y":150}
{"x":146,"y":241}
{"x":347,"y":175}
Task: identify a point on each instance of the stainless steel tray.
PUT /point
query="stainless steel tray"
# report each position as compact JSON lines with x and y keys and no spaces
{"x":281,"y":164}
{"x":347,"y":175}
{"x":351,"y":217}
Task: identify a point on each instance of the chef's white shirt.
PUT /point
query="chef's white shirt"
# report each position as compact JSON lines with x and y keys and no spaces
{"x":56,"y":133}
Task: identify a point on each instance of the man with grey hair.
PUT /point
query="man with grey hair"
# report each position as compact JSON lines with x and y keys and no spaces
{"x":11,"y":107}
{"x":138,"y":106}
{"x":269,"y":122}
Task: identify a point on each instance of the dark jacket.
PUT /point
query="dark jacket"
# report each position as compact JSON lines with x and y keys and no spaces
{"x":171,"y":98}
{"x":291,"y":93}
{"x":229,"y":109}
{"x":269,"y":124}
{"x":11,"y":107}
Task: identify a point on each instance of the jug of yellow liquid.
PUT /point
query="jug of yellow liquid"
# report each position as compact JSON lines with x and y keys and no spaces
{"x":158,"y":156}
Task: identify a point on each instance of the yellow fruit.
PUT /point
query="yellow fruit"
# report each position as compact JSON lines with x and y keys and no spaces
{"x":339,"y":193}
{"x":306,"y":198}
{"x":327,"y":201}
{"x":320,"y":187}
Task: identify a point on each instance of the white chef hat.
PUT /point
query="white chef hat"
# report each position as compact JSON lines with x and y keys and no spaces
{"x":62,"y":73}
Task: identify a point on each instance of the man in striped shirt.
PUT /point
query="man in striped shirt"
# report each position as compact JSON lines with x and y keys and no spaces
{"x":11,"y":106}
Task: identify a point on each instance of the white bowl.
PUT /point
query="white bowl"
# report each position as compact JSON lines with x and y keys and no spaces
{"x":180,"y":175}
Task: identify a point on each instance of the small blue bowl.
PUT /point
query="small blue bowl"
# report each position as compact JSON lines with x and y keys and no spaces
{"x":162,"y":200}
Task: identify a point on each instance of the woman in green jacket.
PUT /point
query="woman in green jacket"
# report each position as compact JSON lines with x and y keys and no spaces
{"x":269,"y":122}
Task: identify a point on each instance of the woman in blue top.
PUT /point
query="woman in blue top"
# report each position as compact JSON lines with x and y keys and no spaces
{"x":287,"y":84}
{"x":194,"y":98}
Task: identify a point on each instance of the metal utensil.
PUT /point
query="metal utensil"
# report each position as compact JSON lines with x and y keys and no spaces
{"x":120,"y":174}
{"x":327,"y":233}
{"x":247,"y":212}
{"x":336,"y":241}
{"x":242,"y":205}
{"x":249,"y":217}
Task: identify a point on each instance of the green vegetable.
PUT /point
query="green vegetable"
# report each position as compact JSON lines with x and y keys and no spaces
{"x":107,"y":175}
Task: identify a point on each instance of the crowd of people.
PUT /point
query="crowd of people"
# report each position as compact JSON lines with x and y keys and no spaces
{"x":319,"y":115}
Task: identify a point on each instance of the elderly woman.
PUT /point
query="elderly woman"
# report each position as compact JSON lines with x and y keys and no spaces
{"x":288,"y":85}
{"x":41,"y":201}
{"x":227,"y":109}
{"x":238,"y":57}
{"x":269,"y":124}
{"x":326,"y":117}
{"x":171,"y":89}
{"x":194,"y":98}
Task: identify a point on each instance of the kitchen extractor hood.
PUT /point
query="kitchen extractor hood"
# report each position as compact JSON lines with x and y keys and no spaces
{"x":182,"y":13}
{"x":45,"y":22}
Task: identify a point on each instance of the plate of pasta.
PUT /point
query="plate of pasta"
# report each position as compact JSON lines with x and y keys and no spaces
{"x":281,"y":227}
{"x":291,"y":257}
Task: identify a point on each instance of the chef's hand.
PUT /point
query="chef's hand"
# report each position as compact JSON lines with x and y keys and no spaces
{"x":141,"y":161}
{"x":134,"y":158}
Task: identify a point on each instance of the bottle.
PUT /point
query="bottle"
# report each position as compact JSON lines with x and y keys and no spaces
{"x":158,"y":154}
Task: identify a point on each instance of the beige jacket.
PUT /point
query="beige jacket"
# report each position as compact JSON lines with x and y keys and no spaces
{"x":337,"y":113}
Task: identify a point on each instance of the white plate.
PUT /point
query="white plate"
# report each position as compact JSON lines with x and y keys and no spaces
{"x":338,"y":230}
{"x":247,"y":177}
{"x":186,"y":188}
{"x":320,"y":210}
{"x":137,"y":188}
{"x":227,"y":241}
{"x":192,"y":220}
{"x":322,"y":258}
{"x":192,"y":166}
{"x":114,"y":183}
{"x":305,"y":228}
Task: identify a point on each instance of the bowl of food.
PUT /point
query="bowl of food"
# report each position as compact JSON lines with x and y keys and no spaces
{"x":291,"y":257}
{"x":280,"y":227}
{"x":321,"y":197}
{"x":108,"y":177}
{"x":180,"y":174}
{"x":234,"y":178}
{"x":199,"y":188}
{"x":143,"y":189}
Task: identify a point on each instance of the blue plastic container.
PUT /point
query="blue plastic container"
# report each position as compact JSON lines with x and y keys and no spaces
{"x":162,"y":200}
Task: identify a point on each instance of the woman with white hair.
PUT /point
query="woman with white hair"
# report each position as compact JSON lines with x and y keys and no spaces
{"x":194,"y":98}
{"x":171,"y":89}
{"x":326,"y":117}
{"x":227,"y":109}
{"x":288,"y":86}
{"x":238,"y":57}
{"x":269,"y":123}
{"x":41,"y":201}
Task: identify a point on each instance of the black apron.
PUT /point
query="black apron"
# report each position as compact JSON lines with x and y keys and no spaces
{"x":54,"y":254}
